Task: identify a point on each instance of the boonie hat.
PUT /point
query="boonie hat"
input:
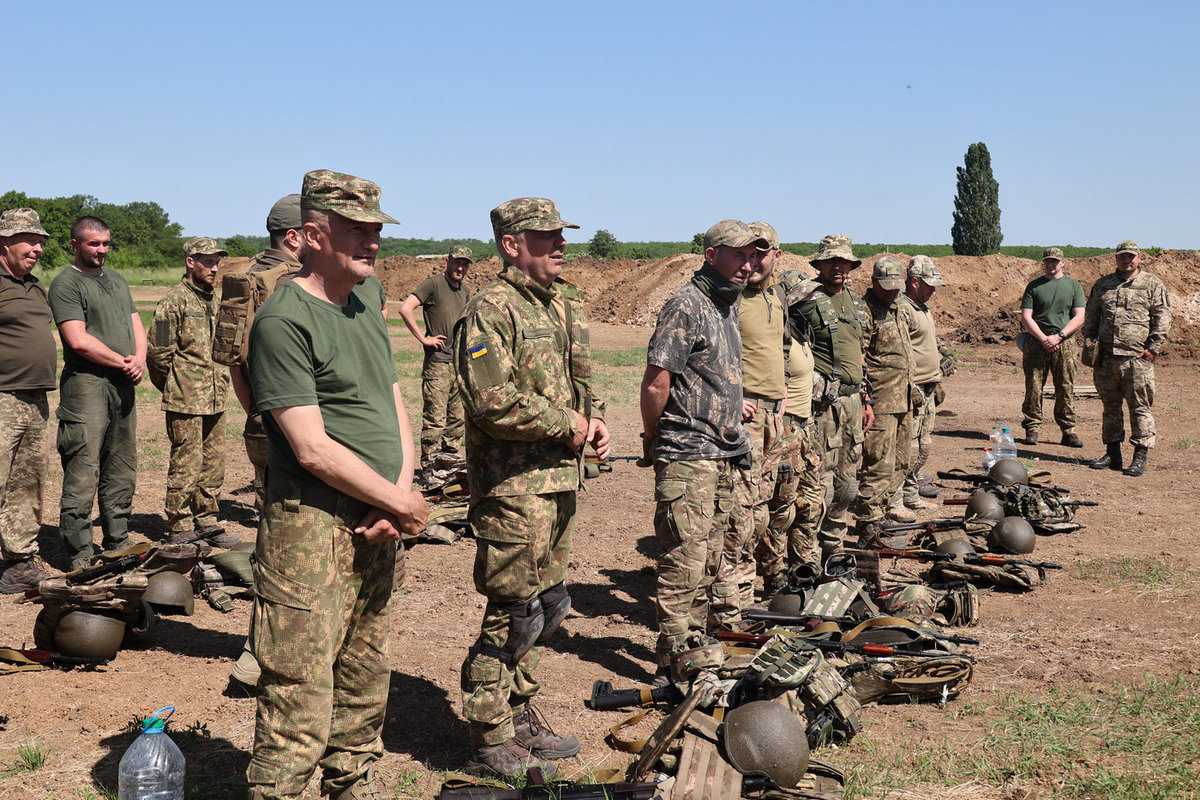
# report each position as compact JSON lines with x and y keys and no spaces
{"x":835,"y":245}
{"x":285,"y":214}
{"x":767,"y":232}
{"x":21,"y":220}
{"x":922,"y":267}
{"x":203,"y":246}
{"x":889,"y":272}
{"x":345,"y":195}
{"x":1055,"y":253}
{"x":734,"y":233}
{"x":1128,"y":246}
{"x":462,"y":251}
{"x":527,"y":214}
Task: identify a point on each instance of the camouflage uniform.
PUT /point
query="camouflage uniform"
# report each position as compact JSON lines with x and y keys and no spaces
{"x":523,"y":361}
{"x":194,"y":390}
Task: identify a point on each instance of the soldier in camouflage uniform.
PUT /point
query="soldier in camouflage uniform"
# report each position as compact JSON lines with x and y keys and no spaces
{"x":194,"y":389}
{"x":442,"y":299}
{"x":691,"y":404}
{"x":340,"y":461}
{"x":1129,"y":314}
{"x":27,"y":362}
{"x":523,"y":362}
{"x":841,"y":396}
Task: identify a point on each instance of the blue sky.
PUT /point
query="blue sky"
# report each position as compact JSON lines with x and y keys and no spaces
{"x":652,"y":120}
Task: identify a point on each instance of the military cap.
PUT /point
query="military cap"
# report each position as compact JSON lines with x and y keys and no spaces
{"x":835,"y":245}
{"x":889,"y":272}
{"x":462,"y":251}
{"x":21,"y":220}
{"x":1128,"y":246}
{"x":345,"y":195}
{"x":767,"y":232}
{"x":285,"y":214}
{"x":1055,"y":253}
{"x":922,"y":267}
{"x":203,"y":246}
{"x":734,"y":233}
{"x":527,"y":214}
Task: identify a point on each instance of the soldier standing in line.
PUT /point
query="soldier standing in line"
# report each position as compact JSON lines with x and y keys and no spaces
{"x":691,"y":405}
{"x":889,"y":368}
{"x":1052,"y":309}
{"x":194,"y":390}
{"x":442,"y":299}
{"x":839,"y":321}
{"x":1129,"y":314}
{"x":27,"y":362}
{"x":523,"y":362}
{"x":104,"y":357}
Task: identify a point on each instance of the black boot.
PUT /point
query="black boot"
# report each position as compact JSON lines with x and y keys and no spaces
{"x":1111,"y":460}
{"x":1138,"y":465}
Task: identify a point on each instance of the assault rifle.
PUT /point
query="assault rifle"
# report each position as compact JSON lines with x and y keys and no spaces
{"x":986,"y":559}
{"x":57,"y":660}
{"x":979,"y":479}
{"x":962,"y":501}
{"x":839,"y":648}
{"x":942,"y":524}
{"x":809,"y":621}
{"x":606,"y":698}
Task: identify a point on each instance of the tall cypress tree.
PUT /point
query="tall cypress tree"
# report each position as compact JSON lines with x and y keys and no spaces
{"x":976,"y":229}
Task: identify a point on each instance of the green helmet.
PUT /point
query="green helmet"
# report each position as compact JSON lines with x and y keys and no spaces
{"x":788,"y":602}
{"x":1008,"y":472}
{"x":764,"y":738}
{"x":984,"y":505}
{"x":80,"y":633}
{"x":956,"y":546}
{"x":171,"y":592}
{"x":243,"y":547}
{"x":1012,"y":535}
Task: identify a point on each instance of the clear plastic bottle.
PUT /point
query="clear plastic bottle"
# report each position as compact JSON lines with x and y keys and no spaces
{"x":152,"y":768}
{"x":989,"y":458}
{"x":1007,"y":447}
{"x":994,"y":438}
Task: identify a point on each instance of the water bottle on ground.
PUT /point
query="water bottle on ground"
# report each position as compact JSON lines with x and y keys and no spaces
{"x":989,"y":458}
{"x":152,"y":768}
{"x":1008,"y":445}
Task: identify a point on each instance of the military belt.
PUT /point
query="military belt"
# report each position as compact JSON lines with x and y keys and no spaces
{"x":847,"y":389}
{"x":765,"y":403}
{"x":795,"y":421}
{"x":26,"y":395}
{"x":294,"y":494}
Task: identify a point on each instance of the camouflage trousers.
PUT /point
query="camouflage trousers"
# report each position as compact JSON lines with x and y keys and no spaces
{"x":886,"y":452}
{"x":255,"y":439}
{"x":522,"y":546}
{"x":197,"y":469}
{"x":841,"y":453}
{"x":733,"y":588}
{"x":441,"y":410}
{"x":23,"y":443}
{"x":923,"y":421}
{"x":693,"y":501}
{"x":1059,"y":365}
{"x":319,"y":630}
{"x":795,"y":510}
{"x":1121,"y":381}
{"x":97,"y":442}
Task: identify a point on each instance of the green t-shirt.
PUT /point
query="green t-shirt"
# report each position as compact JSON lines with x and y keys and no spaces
{"x":1052,"y":301}
{"x":442,"y":305}
{"x":307,"y":352}
{"x":103,"y":303}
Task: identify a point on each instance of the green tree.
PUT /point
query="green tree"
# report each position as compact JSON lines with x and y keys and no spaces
{"x":976,"y":228}
{"x":698,"y":244}
{"x":603,"y":244}
{"x":238,"y":247}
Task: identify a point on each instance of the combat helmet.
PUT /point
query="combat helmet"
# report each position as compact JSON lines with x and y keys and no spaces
{"x":956,"y":545}
{"x":171,"y":592}
{"x":87,"y":635}
{"x":1012,"y":535}
{"x":1008,"y":472}
{"x":764,"y":738}
{"x":983,"y":505}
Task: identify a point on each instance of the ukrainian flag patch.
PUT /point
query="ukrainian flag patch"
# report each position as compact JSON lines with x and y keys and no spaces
{"x":478,"y":350}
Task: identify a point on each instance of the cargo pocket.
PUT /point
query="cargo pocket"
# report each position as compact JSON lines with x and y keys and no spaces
{"x":670,"y":513}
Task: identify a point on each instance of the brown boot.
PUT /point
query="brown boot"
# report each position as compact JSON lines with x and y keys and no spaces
{"x":18,"y":576}
{"x":507,"y":759}
{"x":531,"y":731}
{"x":366,"y":789}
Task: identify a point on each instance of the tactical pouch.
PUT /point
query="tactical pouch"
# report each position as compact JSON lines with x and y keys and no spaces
{"x":696,"y":653}
{"x":235,"y":315}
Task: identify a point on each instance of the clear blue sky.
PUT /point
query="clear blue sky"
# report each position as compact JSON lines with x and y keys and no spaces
{"x":652,"y":120}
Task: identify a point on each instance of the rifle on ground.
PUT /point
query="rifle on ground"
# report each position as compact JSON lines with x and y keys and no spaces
{"x":962,"y":501}
{"x":809,"y":621}
{"x":979,"y":479}
{"x":606,"y":698}
{"x":942,"y":524}
{"x":985,"y":559}
{"x":840,"y":648}
{"x":57,"y":660}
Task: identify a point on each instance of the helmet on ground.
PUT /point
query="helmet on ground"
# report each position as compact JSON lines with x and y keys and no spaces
{"x":1008,"y":472}
{"x":139,"y":623}
{"x":171,"y":592}
{"x":243,"y":547}
{"x":1012,"y":535}
{"x":87,"y":635}
{"x":956,"y":546}
{"x":764,"y":738}
{"x":234,"y":566}
{"x":982,"y":504}
{"x":787,"y":602}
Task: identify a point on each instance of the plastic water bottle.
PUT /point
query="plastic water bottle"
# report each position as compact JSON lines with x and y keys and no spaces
{"x":1008,"y":445}
{"x":152,"y":768}
{"x":989,"y":458}
{"x":994,"y":438}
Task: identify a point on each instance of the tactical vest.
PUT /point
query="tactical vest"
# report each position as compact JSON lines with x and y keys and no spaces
{"x":242,"y":294}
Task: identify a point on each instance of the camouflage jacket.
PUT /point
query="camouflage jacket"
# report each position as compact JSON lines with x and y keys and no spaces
{"x":521,"y":372}
{"x":888,"y":356}
{"x":179,"y":356}
{"x":1128,"y":315}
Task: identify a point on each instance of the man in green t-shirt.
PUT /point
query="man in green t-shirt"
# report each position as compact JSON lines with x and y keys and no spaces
{"x":339,"y":495}
{"x":1051,"y":311}
{"x":104,"y":357}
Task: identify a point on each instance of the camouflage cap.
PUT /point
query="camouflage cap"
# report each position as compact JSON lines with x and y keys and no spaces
{"x":922,"y":267}
{"x":345,"y":195}
{"x":835,"y":245}
{"x":767,"y":232}
{"x":1055,"y":253}
{"x":527,"y":214}
{"x":21,"y":220}
{"x":203,"y":246}
{"x":734,"y":233}
{"x":1128,"y":246}
{"x":285,"y":214}
{"x":889,"y":272}
{"x":462,"y":251}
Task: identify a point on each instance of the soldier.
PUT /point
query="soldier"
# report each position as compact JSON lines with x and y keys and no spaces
{"x":193,"y":390}
{"x":27,"y":364}
{"x":104,"y":356}
{"x":889,"y":368}
{"x":340,"y":461}
{"x":524,"y":372}
{"x":1051,"y":310}
{"x":442,"y":299}
{"x":691,"y":404}
{"x":839,"y":321}
{"x":1129,"y":315}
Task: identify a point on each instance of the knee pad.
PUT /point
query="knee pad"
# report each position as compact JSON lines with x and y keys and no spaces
{"x":525,"y":624}
{"x":555,"y":605}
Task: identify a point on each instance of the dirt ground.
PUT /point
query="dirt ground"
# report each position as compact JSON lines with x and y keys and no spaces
{"x":1070,"y":634}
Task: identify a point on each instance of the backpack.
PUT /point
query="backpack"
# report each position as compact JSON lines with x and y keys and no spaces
{"x":242,"y":294}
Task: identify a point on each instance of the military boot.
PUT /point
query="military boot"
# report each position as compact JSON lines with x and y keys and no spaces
{"x":531,"y":731}
{"x":899,"y":513}
{"x":21,"y":575}
{"x":507,"y":759}
{"x":366,"y":789}
{"x":1031,"y":436}
{"x":1110,"y":460}
{"x":1138,"y":465}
